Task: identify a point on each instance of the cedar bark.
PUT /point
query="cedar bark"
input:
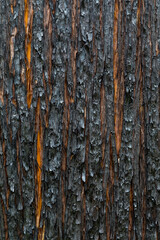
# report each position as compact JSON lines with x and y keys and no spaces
{"x":79,"y":119}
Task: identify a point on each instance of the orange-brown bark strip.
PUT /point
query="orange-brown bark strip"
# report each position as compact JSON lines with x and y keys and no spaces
{"x":14,"y":98}
{"x":37,"y":116}
{"x":12,"y":8}
{"x":157,"y":49}
{"x":6,"y":174}
{"x":1,"y":93}
{"x":13,"y":4}
{"x":38,"y":177}
{"x":74,"y":48}
{"x":66,"y":120}
{"x":103,"y":121}
{"x":118,"y":82}
{"x":48,"y":27}
{"x":115,"y":49}
{"x":54,"y":7}
{"x":28,"y":20}
{"x":131,"y":212}
{"x":4,"y":219}
{"x":41,"y":232}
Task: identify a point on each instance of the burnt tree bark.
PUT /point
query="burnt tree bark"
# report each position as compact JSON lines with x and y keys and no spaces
{"x":79,"y":115}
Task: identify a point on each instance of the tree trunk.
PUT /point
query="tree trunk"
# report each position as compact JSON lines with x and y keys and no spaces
{"x":79,"y":115}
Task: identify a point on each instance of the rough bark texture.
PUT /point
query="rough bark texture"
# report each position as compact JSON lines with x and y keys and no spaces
{"x":79,"y":115}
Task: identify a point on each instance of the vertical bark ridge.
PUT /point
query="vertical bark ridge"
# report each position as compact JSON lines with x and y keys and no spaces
{"x":4,"y":219}
{"x":103,"y":122}
{"x":139,"y":104}
{"x":84,"y":183}
{"x":66,"y":122}
{"x":41,"y":232}
{"x":101,"y":18}
{"x":131,"y":213}
{"x":110,"y":192}
{"x":28,"y":20}
{"x":1,"y":92}
{"x":74,"y":44}
{"x":118,"y":76}
{"x":6,"y":174}
{"x":14,"y":101}
{"x":38,"y":177}
{"x":48,"y":42}
{"x":94,"y":50}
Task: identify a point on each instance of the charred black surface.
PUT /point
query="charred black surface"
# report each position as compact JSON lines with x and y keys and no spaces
{"x":79,"y":119}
